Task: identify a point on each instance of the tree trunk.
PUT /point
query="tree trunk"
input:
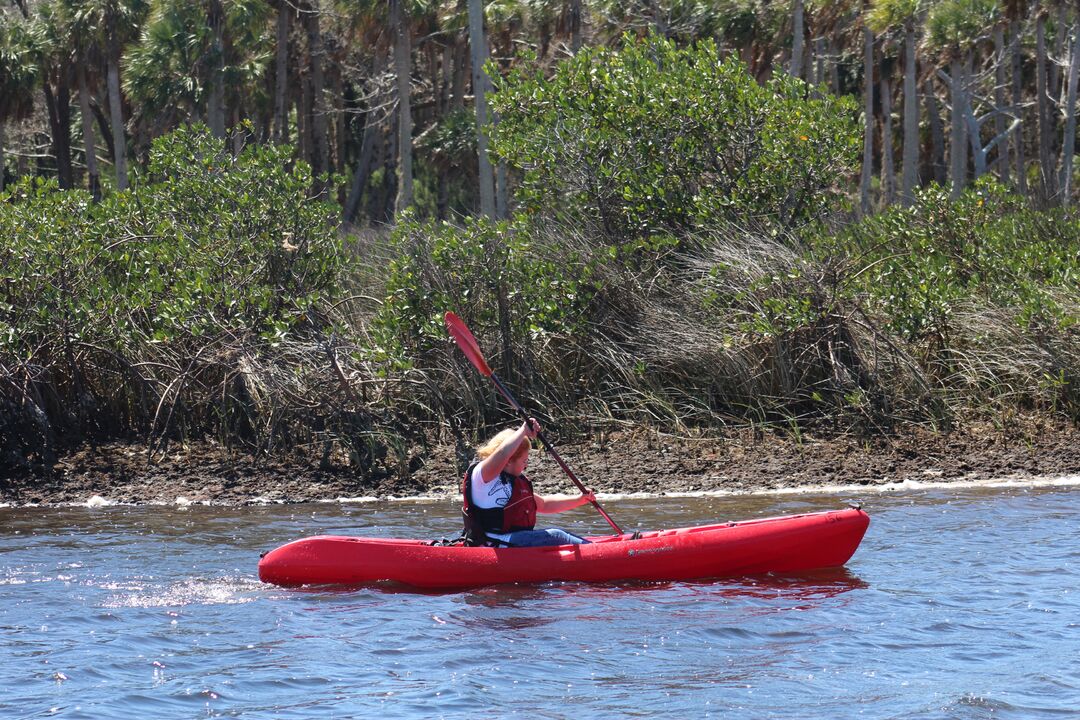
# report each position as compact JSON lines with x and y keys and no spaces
{"x":1069,"y":144}
{"x":1054,"y":84}
{"x":362,"y":171}
{"x":834,"y":73}
{"x":937,"y":135}
{"x":103,"y":126}
{"x":999,"y":100}
{"x":461,"y":70}
{"x":958,"y":140}
{"x":868,"y":131}
{"x":797,"y":32}
{"x":888,"y":172}
{"x":502,"y":191}
{"x":479,"y":56}
{"x":819,"y":61}
{"x":388,"y":197}
{"x":92,"y":175}
{"x":116,"y":113}
{"x":3,"y":161}
{"x":320,"y":147}
{"x":341,"y":130}
{"x":303,"y":117}
{"x":379,"y":152}
{"x":59,"y":111}
{"x":971,"y":123}
{"x":399,"y":23}
{"x":1046,"y":166}
{"x":1018,"y":101}
{"x":448,"y":104}
{"x":575,"y":25}
{"x":446,"y":78}
{"x":215,"y":103}
{"x":281,"y":77}
{"x":911,"y":118}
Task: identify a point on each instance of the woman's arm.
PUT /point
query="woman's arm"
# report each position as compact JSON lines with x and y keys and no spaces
{"x":493,"y":464}
{"x":556,"y":505}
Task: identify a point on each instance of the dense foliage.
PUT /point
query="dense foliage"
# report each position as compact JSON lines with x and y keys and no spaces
{"x":657,"y":137}
{"x":171,"y":308}
{"x":919,"y":264}
{"x":210,"y":243}
{"x":679,"y":256}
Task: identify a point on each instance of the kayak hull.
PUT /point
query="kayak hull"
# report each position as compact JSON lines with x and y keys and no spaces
{"x":792,"y":543}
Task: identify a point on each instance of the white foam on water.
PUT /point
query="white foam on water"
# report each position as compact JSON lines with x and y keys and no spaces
{"x":825,"y":488}
{"x":450,"y":494}
{"x":264,"y":500}
{"x":911,"y":484}
{"x":226,"y":591}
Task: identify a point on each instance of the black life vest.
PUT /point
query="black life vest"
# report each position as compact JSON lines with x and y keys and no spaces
{"x":519,"y":513}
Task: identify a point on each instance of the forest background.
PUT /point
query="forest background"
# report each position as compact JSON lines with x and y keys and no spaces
{"x":242,"y":220}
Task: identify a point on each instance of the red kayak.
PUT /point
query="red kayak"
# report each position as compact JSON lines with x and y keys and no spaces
{"x":792,"y":543}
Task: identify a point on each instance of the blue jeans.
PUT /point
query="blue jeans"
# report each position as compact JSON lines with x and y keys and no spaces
{"x":550,"y":536}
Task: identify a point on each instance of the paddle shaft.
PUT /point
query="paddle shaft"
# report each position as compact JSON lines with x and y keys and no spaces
{"x":551,"y":450}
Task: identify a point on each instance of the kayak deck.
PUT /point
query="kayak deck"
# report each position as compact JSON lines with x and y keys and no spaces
{"x":790,"y":543}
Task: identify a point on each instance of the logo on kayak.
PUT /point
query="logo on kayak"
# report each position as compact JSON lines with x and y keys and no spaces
{"x":648,"y":551}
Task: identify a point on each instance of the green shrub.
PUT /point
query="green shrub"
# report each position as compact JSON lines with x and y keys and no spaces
{"x":915,"y":265}
{"x":545,"y":287}
{"x":654,"y":137}
{"x":156,"y":302}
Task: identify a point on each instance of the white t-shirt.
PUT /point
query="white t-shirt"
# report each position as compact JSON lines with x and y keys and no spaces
{"x":489,"y":495}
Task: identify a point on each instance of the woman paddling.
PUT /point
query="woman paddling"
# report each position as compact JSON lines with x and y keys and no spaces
{"x":499,"y":504}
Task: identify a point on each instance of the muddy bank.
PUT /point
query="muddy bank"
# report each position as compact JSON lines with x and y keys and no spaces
{"x":740,"y":461}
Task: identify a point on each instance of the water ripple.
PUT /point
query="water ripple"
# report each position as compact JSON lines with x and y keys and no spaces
{"x":960,"y":604}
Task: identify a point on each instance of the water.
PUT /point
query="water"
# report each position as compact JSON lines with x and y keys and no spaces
{"x":961,"y":603}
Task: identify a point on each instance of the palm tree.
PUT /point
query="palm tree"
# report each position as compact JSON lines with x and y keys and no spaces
{"x":868,"y":113}
{"x":285,"y":11}
{"x":902,"y":16}
{"x":1069,"y":144}
{"x":19,"y":57}
{"x":399,"y":26}
{"x":481,"y":87}
{"x":798,"y":30}
{"x":316,"y":113}
{"x":71,"y":46}
{"x":1015,"y":11}
{"x":1045,"y":122}
{"x":100,"y":29}
{"x":956,"y":28}
{"x":172,"y":73}
{"x":57,"y":77}
{"x":215,"y":76}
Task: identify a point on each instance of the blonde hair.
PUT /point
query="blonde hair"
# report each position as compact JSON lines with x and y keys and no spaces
{"x":488,"y":449}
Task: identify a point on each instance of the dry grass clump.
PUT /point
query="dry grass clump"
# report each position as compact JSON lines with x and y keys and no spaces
{"x":997,"y":362}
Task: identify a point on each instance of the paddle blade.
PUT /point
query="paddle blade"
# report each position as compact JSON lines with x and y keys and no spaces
{"x":465,"y":340}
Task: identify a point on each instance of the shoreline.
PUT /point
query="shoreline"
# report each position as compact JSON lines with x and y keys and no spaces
{"x":637,"y":463}
{"x":1026,"y":482}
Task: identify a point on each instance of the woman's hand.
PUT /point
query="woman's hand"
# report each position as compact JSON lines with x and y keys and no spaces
{"x":531,"y":428}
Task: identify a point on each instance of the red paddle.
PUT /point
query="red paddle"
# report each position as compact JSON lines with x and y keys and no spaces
{"x":465,"y":340}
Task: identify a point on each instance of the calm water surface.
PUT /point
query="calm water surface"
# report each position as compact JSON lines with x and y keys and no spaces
{"x":961,"y":603}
